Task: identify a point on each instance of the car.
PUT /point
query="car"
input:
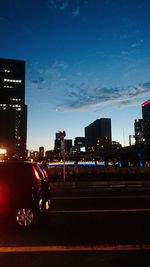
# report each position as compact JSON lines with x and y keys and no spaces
{"x":24,"y":192}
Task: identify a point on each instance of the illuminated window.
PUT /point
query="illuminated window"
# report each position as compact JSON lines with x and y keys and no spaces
{"x":15,"y":107}
{"x":6,"y":70}
{"x":2,"y":105}
{"x":12,"y":81}
{"x":15,"y":99}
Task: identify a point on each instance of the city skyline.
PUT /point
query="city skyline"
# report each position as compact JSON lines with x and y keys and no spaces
{"x":85,"y":60}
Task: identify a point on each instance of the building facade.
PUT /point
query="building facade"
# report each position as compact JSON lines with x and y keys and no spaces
{"x":98,"y":135}
{"x":68,"y":146}
{"x":13,"y":111}
{"x":146,"y":121}
{"x":62,"y":145}
{"x":58,"y":144}
{"x":79,"y":144}
{"x":41,"y":151}
{"x":138,"y":130}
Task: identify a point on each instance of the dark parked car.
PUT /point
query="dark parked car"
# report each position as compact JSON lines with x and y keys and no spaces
{"x":24,"y":192}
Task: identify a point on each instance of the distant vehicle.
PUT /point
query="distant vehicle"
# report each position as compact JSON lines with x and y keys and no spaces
{"x":24,"y":192}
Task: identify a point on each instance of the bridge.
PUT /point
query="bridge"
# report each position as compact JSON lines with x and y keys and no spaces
{"x":134,"y":155}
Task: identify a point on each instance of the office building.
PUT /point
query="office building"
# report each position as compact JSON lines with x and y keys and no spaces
{"x":79,"y":144}
{"x":41,"y":151}
{"x":68,"y":146}
{"x":13,"y":111}
{"x":138,"y":130}
{"x":146,"y":121}
{"x":115,"y":145}
{"x":98,"y":135}
{"x":57,"y":144}
{"x":61,"y":144}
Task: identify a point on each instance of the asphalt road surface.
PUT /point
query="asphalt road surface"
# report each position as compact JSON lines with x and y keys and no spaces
{"x":85,"y":227}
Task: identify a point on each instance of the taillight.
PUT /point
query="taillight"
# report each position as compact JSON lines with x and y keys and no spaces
{"x":37,"y":176}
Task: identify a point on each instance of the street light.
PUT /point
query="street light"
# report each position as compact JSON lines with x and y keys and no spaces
{"x":3,"y":153}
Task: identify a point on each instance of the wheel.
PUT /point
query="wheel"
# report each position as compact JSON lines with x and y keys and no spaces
{"x":26,"y":217}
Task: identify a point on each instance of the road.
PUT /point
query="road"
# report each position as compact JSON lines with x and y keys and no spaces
{"x":85,"y":226}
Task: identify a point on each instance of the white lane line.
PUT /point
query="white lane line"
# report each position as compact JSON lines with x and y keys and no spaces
{"x":100,"y":211}
{"x":76,"y":248}
{"x":100,"y":197}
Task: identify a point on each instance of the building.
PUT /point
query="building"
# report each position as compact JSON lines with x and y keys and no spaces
{"x":115,"y":145}
{"x":41,"y":151}
{"x":62,"y":145}
{"x":58,"y":143}
{"x":79,"y":144}
{"x":98,"y":135}
{"x":138,"y":130}
{"x":68,"y":146}
{"x":50,"y":154}
{"x":13,"y":111}
{"x":33,"y":154}
{"x":146,"y":120}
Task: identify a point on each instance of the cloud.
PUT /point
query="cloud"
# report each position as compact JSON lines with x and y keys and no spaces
{"x":83,"y":98}
{"x":4,"y":21}
{"x":38,"y":81}
{"x":65,"y":4}
{"x":45,"y":84}
{"x":134,"y":45}
{"x":55,"y":85}
{"x":47,"y":74}
{"x":76,"y":11}
{"x":58,"y":4}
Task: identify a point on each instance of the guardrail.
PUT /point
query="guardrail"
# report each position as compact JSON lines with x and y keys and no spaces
{"x":102,"y":185}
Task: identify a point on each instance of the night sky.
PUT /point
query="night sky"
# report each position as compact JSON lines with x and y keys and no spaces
{"x":85,"y":60}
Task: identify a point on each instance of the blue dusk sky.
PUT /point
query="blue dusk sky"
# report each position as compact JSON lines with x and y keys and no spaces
{"x":85,"y":60}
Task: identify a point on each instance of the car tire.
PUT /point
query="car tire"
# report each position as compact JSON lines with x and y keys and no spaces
{"x":26,"y":217}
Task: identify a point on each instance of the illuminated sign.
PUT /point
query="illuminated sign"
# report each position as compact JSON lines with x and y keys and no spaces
{"x":146,"y":103}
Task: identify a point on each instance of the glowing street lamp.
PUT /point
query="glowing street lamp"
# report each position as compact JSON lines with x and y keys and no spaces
{"x":3,"y":153}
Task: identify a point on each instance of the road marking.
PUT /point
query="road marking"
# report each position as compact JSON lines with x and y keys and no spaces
{"x":100,"y":197}
{"x":100,"y":211}
{"x":74,"y":248}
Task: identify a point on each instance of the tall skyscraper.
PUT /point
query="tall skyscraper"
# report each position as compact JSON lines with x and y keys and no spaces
{"x":41,"y":151}
{"x":138,"y":129}
{"x":61,"y":146}
{"x":79,"y":144}
{"x":98,"y":135}
{"x":13,"y":111}
{"x":68,"y":146}
{"x":146,"y":120}
{"x":57,"y":144}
